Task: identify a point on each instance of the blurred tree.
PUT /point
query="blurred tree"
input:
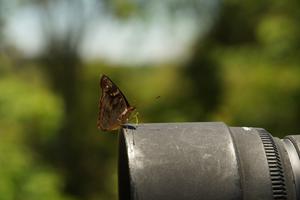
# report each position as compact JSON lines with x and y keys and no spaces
{"x":258,"y":51}
{"x":64,"y":24}
{"x":203,"y":67}
{"x":26,"y":117}
{"x":204,"y":72}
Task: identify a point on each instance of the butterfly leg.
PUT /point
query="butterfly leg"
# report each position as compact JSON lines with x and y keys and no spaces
{"x":136,"y":118}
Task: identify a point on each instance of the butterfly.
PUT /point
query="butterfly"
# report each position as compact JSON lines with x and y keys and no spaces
{"x":114,"y":109}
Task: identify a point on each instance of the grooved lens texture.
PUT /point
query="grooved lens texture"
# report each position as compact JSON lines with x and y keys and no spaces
{"x":275,"y":166}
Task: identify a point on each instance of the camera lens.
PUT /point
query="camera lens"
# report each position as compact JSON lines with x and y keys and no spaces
{"x":206,"y":160}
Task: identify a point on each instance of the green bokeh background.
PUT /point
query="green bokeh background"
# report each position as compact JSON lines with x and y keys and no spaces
{"x":245,"y":71}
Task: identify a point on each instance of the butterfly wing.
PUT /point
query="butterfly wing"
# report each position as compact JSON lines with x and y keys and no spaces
{"x":114,"y":107}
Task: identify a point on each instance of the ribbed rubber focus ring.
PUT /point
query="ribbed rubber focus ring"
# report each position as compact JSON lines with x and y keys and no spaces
{"x":275,"y":166}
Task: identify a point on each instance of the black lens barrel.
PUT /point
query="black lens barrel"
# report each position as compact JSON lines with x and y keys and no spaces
{"x":206,"y":160}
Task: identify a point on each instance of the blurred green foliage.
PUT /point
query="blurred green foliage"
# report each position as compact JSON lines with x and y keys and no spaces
{"x":244,"y":72}
{"x":29,"y":113}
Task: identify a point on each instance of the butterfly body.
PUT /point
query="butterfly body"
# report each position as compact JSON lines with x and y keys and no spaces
{"x":114,"y":109}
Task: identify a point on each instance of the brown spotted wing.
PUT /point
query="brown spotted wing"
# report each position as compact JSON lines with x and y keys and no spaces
{"x":114,"y":109}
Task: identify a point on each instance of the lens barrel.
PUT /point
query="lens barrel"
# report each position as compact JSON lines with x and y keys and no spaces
{"x":206,"y":160}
